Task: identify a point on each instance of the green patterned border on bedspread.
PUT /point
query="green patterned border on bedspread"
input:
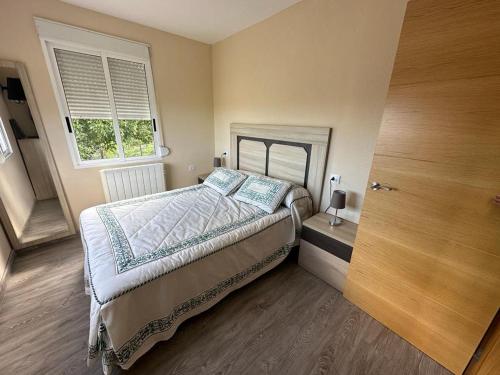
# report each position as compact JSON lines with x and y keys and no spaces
{"x":124,"y":256}
{"x":123,"y":354}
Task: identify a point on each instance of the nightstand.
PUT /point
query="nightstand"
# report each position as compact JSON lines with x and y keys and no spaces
{"x":325,"y":251}
{"x":201,"y":177}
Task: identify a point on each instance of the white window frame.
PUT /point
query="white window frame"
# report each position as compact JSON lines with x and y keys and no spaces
{"x":5,"y":154}
{"x":54,"y":35}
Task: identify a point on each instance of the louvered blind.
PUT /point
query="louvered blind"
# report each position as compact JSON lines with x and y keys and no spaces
{"x":130,"y":89}
{"x":106,"y":105}
{"x":4,"y":142}
{"x":84,"y":84}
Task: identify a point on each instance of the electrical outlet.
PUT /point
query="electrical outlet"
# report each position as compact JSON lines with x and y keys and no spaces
{"x":335,"y":178}
{"x":191,"y":167}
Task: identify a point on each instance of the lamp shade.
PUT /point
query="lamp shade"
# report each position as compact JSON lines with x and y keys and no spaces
{"x":217,"y":162}
{"x":338,"y":199}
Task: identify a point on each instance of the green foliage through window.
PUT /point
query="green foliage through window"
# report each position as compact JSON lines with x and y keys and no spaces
{"x":137,"y":138}
{"x":96,"y":138}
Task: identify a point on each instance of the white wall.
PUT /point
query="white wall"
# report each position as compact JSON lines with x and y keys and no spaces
{"x":319,"y":62}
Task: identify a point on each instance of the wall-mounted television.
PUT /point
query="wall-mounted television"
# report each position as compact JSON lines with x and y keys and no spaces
{"x":15,"y":90}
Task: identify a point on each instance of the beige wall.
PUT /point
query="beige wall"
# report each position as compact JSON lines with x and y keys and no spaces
{"x":16,"y":193}
{"x":319,"y":62}
{"x":182,"y":75}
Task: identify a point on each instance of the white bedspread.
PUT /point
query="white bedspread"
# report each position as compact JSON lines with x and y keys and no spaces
{"x":154,"y":261}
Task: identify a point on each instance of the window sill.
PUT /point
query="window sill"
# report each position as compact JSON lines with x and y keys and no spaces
{"x":116,"y":163}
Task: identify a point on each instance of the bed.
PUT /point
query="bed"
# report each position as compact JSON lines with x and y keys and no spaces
{"x":153,"y":262}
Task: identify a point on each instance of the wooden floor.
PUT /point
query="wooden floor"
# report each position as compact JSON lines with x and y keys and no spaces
{"x":286,"y":322}
{"x":46,"y":221}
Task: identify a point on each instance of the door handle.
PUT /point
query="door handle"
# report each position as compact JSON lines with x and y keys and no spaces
{"x":377,"y":186}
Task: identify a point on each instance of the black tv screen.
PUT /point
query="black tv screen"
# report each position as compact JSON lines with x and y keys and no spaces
{"x":15,"y":89}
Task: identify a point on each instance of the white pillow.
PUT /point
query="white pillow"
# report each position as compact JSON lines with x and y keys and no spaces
{"x":264,"y":192}
{"x":224,"y":181}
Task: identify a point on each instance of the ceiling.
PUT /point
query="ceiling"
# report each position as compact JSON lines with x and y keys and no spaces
{"x":207,"y":21}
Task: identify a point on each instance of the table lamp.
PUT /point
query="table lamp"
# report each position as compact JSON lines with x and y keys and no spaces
{"x":337,"y":202}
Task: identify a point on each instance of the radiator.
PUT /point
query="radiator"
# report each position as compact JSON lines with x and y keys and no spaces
{"x":131,"y":182}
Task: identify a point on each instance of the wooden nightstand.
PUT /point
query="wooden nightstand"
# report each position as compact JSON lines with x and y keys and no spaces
{"x":201,"y":177}
{"x":325,"y":251}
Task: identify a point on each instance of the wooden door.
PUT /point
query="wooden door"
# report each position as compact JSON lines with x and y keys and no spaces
{"x":426,"y":260}
{"x":486,"y":361}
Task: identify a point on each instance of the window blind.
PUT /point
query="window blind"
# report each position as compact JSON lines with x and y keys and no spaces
{"x":130,"y":89}
{"x":4,"y":148}
{"x":84,"y":84}
{"x":106,"y":105}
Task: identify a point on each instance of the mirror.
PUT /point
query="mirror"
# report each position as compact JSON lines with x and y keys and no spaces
{"x":33,"y":207}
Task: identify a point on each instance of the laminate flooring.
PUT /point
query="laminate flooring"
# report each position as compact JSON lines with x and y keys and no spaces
{"x":46,"y":221}
{"x":286,"y":322}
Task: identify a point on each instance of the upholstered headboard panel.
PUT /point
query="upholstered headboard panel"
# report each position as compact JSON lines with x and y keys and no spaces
{"x":294,"y":153}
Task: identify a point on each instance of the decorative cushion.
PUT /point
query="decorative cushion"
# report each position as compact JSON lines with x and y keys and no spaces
{"x":224,"y":181}
{"x":264,"y":192}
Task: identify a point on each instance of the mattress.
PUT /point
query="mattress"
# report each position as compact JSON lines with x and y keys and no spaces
{"x":152,"y":262}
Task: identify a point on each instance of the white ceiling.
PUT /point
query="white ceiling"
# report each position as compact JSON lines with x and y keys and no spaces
{"x":204,"y":20}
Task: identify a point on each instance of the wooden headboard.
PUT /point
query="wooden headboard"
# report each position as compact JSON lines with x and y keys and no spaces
{"x":293,"y":153}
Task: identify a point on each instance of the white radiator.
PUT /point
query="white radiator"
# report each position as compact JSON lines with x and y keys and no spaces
{"x":131,"y":182}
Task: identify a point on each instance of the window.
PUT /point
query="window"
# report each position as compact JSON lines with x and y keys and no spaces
{"x":105,"y":93}
{"x":5,"y":149}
